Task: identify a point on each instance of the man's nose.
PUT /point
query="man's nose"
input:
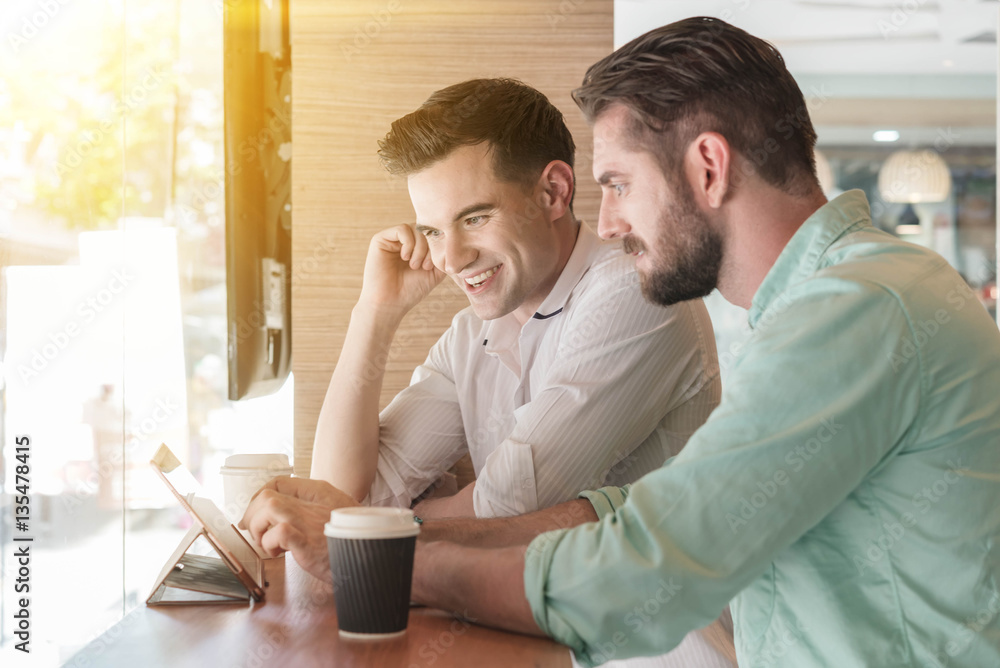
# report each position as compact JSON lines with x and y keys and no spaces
{"x":458,"y":253}
{"x":610,"y":224}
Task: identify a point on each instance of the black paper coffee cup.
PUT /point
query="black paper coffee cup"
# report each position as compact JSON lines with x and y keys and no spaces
{"x":371,"y":560}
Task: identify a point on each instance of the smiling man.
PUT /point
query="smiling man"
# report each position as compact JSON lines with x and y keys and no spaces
{"x":558,"y":377}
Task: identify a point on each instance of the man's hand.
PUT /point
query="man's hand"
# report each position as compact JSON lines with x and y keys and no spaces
{"x":288,"y":514}
{"x":398,"y":270}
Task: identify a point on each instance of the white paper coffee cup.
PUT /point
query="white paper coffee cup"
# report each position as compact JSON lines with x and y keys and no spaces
{"x":371,"y":560}
{"x":243,"y":475}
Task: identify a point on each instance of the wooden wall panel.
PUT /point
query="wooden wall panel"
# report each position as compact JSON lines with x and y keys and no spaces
{"x":360,"y":64}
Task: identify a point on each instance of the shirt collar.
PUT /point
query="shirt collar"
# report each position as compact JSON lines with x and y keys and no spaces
{"x":802,"y":254}
{"x":587,"y":244}
{"x":502,"y":332}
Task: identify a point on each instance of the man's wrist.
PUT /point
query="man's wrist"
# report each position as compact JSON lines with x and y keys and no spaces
{"x":379,"y":321}
{"x":380,"y":313}
{"x":423,"y":571}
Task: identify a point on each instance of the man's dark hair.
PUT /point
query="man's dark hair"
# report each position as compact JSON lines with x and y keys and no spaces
{"x":524,"y":130}
{"x":703,"y":74}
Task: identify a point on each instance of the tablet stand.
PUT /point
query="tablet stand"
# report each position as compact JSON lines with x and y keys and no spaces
{"x":193,"y":578}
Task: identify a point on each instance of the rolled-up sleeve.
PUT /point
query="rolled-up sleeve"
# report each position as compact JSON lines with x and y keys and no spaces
{"x":796,"y":428}
{"x":628,"y":374}
{"x":421,"y":431}
{"x":606,"y":499}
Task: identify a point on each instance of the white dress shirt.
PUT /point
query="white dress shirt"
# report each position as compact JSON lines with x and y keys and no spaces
{"x":598,"y":388}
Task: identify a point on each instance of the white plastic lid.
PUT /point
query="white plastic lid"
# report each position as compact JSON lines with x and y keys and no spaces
{"x":272,"y":471}
{"x":268,"y":461}
{"x":362,"y":522}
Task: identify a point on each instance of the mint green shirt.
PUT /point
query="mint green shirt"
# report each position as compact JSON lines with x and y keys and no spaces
{"x":845,"y":495}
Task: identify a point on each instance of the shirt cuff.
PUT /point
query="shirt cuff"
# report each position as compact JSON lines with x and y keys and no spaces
{"x":505,"y":486}
{"x":388,"y":488}
{"x":537,"y":561}
{"x":606,"y":500}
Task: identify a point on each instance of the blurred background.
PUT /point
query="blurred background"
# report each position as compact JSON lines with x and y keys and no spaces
{"x":903,"y":99}
{"x":113,"y":324}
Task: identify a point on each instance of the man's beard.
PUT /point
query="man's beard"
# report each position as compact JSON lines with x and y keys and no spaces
{"x":686,"y":257}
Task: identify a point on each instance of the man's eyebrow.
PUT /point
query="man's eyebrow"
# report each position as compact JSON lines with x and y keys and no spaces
{"x":424,"y":228}
{"x":480,"y":206}
{"x":605,"y":178}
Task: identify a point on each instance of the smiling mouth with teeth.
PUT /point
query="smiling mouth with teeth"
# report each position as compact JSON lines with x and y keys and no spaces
{"x":476,"y":281}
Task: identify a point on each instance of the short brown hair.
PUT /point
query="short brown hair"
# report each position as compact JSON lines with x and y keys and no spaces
{"x":524,"y":130}
{"x":703,"y":74}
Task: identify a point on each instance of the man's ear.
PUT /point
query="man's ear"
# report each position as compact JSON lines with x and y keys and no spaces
{"x":556,"y":190}
{"x":708,"y":161}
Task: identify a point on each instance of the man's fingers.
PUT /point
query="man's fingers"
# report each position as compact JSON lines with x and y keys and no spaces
{"x":421,"y":252}
{"x":295,"y":487}
{"x":309,"y":550}
{"x":398,"y":239}
{"x":280,"y":538}
{"x":409,"y":244}
{"x":267,"y":509}
{"x":271,"y":484}
{"x":304,"y":489}
{"x":258,"y":500}
{"x":407,"y":239}
{"x":284,"y":495}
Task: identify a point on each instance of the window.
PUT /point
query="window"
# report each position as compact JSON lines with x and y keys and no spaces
{"x":113,"y":316}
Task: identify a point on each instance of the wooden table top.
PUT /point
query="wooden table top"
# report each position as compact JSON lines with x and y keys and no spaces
{"x":296,"y":625}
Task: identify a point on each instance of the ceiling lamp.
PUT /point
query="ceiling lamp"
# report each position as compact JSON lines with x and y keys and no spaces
{"x":914,"y":176}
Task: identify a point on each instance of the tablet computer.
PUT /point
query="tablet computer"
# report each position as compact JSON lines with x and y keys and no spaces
{"x":235,"y":553}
